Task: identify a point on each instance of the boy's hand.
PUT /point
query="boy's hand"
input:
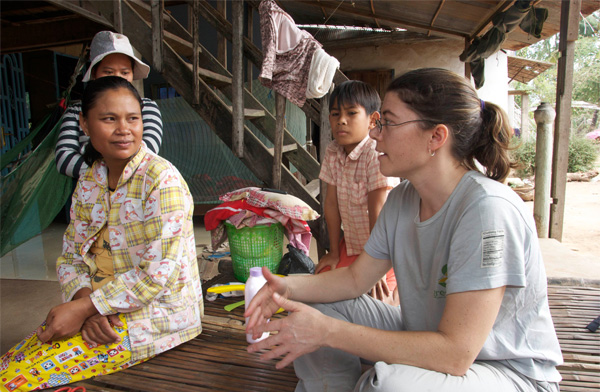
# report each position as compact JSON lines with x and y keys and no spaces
{"x":382,"y":292}
{"x":329,"y":260}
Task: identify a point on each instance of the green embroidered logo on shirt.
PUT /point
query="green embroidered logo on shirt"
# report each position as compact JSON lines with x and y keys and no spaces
{"x":442,"y":282}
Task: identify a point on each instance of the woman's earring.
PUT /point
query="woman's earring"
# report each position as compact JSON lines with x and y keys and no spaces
{"x":432,"y":153}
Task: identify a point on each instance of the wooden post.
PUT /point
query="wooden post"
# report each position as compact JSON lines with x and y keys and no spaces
{"x":221,"y":39}
{"x":544,"y":117}
{"x":237,"y":10}
{"x":524,"y":115}
{"x":138,"y":84}
{"x":157,"y":34}
{"x":190,"y":16}
{"x":511,"y":109}
{"x":324,"y":140}
{"x":195,"y":34}
{"x":569,"y":31}
{"x":250,"y":35}
{"x":467,"y":64}
{"x":278,"y":142}
{"x":325,"y":133}
{"x":310,"y":147}
{"x":118,"y":16}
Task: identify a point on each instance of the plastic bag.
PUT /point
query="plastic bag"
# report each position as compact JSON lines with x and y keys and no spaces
{"x":295,"y":262}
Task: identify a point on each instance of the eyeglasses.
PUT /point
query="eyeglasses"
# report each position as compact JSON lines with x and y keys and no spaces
{"x":379,"y":125}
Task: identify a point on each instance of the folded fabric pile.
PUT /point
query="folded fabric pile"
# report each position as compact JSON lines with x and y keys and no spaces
{"x":248,"y":207}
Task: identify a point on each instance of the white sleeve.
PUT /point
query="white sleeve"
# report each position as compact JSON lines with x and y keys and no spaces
{"x":153,"y":126}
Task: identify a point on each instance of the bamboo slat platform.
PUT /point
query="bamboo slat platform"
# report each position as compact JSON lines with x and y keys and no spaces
{"x":217,"y":360}
{"x":573,"y":308}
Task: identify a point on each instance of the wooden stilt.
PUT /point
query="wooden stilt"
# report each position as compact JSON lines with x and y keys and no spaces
{"x":237,"y":10}
{"x":278,"y":142}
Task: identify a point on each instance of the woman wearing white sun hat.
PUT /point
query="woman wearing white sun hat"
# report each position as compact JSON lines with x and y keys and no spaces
{"x":111,"y":55}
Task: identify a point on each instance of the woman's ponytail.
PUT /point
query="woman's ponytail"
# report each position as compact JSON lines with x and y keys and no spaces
{"x":493,"y":143}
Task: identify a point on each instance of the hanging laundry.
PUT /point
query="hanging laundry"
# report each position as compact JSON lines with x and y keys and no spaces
{"x":320,"y":76}
{"x":288,"y":53}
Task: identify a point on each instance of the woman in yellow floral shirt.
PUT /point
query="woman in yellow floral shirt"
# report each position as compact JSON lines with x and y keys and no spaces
{"x":128,"y":271}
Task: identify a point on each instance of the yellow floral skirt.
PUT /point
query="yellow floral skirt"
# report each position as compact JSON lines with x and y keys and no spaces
{"x":32,"y":364}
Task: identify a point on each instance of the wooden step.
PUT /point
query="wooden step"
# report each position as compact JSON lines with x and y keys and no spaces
{"x":250,"y":114}
{"x":180,"y":45}
{"x":213,"y":78}
{"x":287,"y":148}
{"x":314,"y":188}
{"x":174,"y":34}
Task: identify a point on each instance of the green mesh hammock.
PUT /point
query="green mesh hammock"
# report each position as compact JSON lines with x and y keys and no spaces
{"x":33,"y":193}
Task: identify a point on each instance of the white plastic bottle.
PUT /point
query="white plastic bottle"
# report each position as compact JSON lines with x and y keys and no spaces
{"x":254,"y":283}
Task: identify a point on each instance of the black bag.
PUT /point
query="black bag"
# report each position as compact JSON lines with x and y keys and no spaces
{"x":295,"y":262}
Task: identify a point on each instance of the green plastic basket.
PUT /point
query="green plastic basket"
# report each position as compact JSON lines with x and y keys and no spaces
{"x":257,"y":246}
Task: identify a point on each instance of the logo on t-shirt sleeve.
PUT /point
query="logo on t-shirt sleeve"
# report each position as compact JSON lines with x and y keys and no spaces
{"x":492,"y":248}
{"x":442,"y":282}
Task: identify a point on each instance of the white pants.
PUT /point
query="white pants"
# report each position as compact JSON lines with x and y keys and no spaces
{"x":334,"y":370}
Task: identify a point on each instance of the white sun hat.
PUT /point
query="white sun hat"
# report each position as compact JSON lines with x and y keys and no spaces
{"x":107,"y":42}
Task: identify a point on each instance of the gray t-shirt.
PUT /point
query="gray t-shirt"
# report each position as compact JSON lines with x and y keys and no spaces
{"x":483,"y":237}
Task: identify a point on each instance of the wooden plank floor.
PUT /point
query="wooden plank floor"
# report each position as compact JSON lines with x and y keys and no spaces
{"x":217,"y":360}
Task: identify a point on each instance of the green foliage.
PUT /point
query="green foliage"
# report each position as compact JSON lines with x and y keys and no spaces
{"x":524,"y":154}
{"x":589,"y":26}
{"x":582,"y":154}
{"x":586,"y":75}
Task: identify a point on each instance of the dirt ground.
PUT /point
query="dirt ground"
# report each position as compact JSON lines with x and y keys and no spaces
{"x":581,"y":229}
{"x":581,"y":226}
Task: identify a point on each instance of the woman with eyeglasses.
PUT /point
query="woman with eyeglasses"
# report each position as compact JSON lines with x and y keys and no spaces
{"x":464,"y":248}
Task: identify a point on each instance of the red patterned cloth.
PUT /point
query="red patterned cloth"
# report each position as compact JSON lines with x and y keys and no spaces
{"x":286,"y":204}
{"x":215,"y":216}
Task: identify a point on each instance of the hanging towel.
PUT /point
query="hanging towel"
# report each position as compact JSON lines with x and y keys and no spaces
{"x":320,"y":76}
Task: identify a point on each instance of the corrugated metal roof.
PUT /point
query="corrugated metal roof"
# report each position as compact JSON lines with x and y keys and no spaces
{"x":458,"y":19}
